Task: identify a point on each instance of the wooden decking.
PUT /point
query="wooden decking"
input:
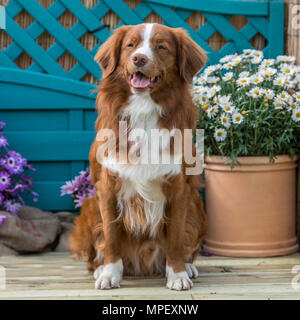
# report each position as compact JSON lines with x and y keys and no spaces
{"x":58,"y":276}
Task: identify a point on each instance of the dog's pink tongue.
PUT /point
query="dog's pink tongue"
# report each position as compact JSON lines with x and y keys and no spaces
{"x":140,"y":81}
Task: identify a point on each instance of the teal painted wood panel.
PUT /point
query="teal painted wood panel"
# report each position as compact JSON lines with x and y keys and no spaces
{"x":50,"y":112}
{"x":50,"y":121}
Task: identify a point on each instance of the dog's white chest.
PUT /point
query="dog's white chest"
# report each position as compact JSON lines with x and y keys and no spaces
{"x":140,"y":178}
{"x":143,"y":114}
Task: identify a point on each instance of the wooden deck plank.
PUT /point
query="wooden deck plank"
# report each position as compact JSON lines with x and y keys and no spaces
{"x":58,"y":276}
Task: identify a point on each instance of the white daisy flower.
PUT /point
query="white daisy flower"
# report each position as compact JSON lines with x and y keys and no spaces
{"x":293,"y":106}
{"x":244,"y":74}
{"x":269,"y":72}
{"x":236,"y":60}
{"x":289,"y":83}
{"x":258,"y":54}
{"x":284,"y":95}
{"x":225,"y":120}
{"x":217,"y":88}
{"x":203,"y":99}
{"x":197,"y":89}
{"x":224,"y":99}
{"x":289,"y":99}
{"x":287,"y":69}
{"x":243,"y":81}
{"x":297,"y":96}
{"x":296,"y":114}
{"x":211,"y":92}
{"x":252,"y":53}
{"x":212,"y":111}
{"x":228,"y":76}
{"x":210,"y":69}
{"x":279,"y":81}
{"x":212,"y":79}
{"x":268,"y":93}
{"x":255,"y":92}
{"x":202,"y":79}
{"x":228,"y":58}
{"x":287,"y":59}
{"x":256,"y":60}
{"x":256,"y":79}
{"x":249,"y":51}
{"x":220,"y":134}
{"x":267,"y":62}
{"x":278,"y":103}
{"x":228,"y":107}
{"x":237,"y":118}
{"x":228,"y":65}
{"x":257,"y":57}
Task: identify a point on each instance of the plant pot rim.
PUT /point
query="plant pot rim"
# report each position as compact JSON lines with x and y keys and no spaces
{"x":250,"y":164}
{"x":251,"y":160}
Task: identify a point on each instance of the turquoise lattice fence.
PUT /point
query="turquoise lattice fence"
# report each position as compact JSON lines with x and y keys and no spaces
{"x":49,"y":111}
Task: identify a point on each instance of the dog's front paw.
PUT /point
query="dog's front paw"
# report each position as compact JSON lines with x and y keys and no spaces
{"x":191,"y":270}
{"x":109,"y":275}
{"x":178,"y":280}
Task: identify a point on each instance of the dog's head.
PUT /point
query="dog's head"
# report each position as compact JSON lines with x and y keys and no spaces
{"x":150,"y":55}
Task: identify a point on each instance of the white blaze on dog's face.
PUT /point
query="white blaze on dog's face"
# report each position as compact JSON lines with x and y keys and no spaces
{"x":150,"y":56}
{"x":145,"y":49}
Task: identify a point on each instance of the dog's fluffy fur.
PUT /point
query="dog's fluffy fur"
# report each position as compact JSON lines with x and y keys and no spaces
{"x":145,"y":219}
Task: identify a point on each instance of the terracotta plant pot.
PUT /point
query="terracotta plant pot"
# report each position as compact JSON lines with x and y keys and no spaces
{"x":251,"y":209}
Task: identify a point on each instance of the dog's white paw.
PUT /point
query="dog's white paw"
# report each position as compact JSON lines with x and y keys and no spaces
{"x":178,"y":281}
{"x":191,"y":270}
{"x":98,"y":271}
{"x":109,"y":275}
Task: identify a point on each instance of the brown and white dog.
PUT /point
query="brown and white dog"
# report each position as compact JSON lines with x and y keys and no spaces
{"x":146,"y":219}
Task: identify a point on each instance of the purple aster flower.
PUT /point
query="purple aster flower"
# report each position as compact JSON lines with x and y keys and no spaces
{"x":80,"y":188}
{"x":12,"y":206}
{"x":2,"y":219}
{"x":14,"y":162}
{"x":68,"y":188}
{"x":4,"y":180}
{"x":79,"y":201}
{"x":13,"y":181}
{"x":3,"y":142}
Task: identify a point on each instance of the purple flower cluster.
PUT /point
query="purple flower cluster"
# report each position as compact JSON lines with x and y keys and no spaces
{"x":13,"y":180}
{"x":80,"y":188}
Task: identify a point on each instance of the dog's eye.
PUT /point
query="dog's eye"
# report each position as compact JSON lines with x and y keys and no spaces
{"x":130,"y":45}
{"x":161,"y":47}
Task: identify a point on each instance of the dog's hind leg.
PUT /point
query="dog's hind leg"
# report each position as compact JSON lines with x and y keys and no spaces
{"x":195,"y":230}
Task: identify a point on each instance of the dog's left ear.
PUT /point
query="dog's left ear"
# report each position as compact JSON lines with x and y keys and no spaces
{"x":191,"y":57}
{"x":109,"y":53}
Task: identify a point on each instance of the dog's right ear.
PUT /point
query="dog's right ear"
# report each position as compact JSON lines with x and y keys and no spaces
{"x":109,"y":53}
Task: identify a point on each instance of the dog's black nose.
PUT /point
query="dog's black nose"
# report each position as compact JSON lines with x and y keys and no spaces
{"x":139,"y":60}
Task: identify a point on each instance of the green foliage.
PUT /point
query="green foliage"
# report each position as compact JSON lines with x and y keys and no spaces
{"x":249,"y":106}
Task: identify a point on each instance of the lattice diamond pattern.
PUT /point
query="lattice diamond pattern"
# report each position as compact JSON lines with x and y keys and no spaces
{"x":89,"y":22}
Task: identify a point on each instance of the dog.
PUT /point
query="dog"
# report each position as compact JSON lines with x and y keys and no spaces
{"x":146,"y":219}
